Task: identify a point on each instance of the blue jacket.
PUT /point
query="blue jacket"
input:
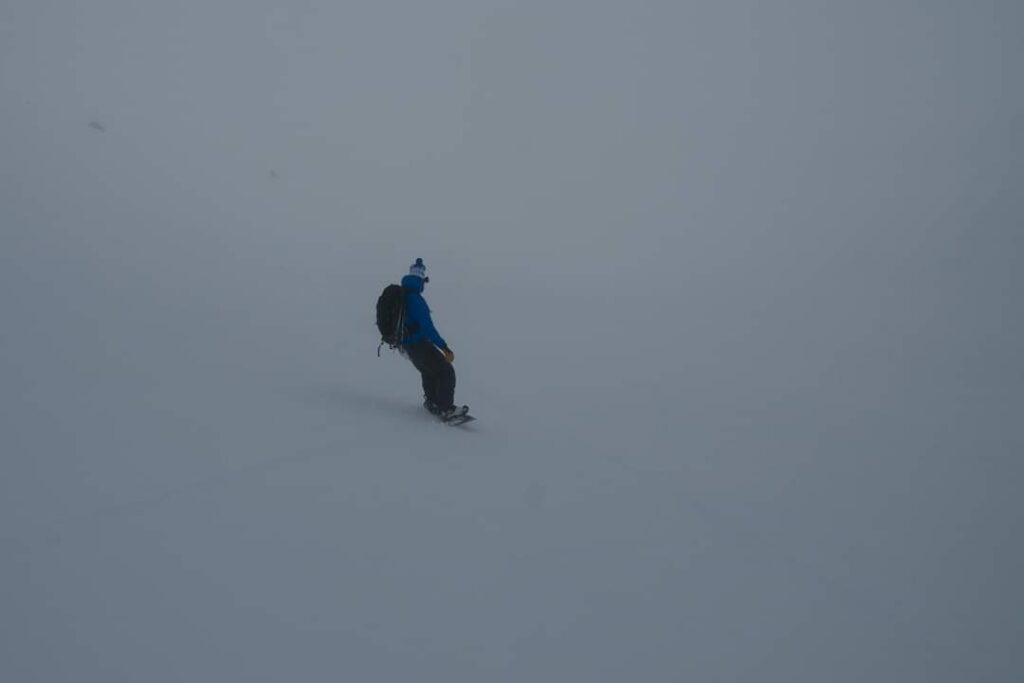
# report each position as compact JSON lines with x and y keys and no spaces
{"x":418,"y":324}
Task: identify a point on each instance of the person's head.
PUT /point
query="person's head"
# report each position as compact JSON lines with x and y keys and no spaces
{"x":417,"y":276}
{"x":419,"y":270}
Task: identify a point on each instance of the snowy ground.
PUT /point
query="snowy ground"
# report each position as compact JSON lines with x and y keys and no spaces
{"x":733,"y":297}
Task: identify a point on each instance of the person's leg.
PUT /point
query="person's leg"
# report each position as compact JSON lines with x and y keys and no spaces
{"x":437,"y":373}
{"x":429,"y":387}
{"x":445,"y":374}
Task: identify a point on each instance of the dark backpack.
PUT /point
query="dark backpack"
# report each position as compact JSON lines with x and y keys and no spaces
{"x":391,"y":316}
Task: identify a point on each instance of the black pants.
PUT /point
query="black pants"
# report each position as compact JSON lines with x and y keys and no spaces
{"x":438,"y":374}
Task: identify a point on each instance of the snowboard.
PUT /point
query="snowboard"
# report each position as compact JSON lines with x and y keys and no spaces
{"x":458,"y":420}
{"x":454,"y":420}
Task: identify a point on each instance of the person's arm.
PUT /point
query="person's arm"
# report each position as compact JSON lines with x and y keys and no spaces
{"x":432,"y":334}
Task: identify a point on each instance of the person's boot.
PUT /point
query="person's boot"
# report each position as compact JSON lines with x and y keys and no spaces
{"x":453,"y":412}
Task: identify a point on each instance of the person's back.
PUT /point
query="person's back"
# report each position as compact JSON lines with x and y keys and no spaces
{"x":418,"y":322}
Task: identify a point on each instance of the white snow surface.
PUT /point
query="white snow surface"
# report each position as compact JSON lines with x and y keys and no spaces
{"x":734,"y":291}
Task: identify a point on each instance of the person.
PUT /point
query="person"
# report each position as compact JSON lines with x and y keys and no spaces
{"x":427,"y":349}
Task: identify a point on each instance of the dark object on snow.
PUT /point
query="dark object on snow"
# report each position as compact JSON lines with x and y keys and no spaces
{"x":96,"y":125}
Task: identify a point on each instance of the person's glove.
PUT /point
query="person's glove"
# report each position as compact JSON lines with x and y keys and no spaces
{"x":449,"y":355}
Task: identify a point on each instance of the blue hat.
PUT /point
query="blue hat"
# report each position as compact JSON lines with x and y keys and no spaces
{"x":419,"y":270}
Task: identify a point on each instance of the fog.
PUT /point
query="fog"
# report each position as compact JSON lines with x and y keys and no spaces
{"x":733,"y":290}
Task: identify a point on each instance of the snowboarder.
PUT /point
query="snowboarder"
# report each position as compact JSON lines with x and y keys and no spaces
{"x":427,"y":350}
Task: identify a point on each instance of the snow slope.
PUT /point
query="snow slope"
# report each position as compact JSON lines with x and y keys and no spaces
{"x":732,"y":291}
